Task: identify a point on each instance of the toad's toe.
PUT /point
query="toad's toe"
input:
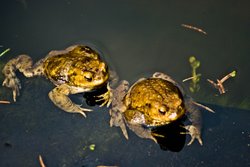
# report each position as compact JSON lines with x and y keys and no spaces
{"x":194,"y":133}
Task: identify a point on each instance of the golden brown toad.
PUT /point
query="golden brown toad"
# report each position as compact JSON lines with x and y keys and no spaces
{"x":74,"y":70}
{"x":152,"y":102}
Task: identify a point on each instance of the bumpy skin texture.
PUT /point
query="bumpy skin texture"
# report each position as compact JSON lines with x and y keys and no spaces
{"x":81,"y":67}
{"x":152,"y":102}
{"x":157,"y":99}
{"x":74,"y":70}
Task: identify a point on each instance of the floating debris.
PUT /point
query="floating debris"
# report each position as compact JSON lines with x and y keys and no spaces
{"x":4,"y":102}
{"x":219,"y":84}
{"x":194,"y":28}
{"x":193,"y":78}
{"x":202,"y":106}
{"x":41,"y":161}
{"x":4,"y":52}
{"x":92,"y":147}
{"x":194,"y":85}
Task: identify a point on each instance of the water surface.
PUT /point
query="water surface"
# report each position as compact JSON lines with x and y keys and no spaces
{"x":137,"y":39}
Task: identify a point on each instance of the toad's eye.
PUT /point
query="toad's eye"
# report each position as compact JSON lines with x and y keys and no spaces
{"x":163,"y":110}
{"x":89,"y":79}
{"x":88,"y":76}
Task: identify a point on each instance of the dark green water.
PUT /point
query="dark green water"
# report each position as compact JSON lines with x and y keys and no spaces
{"x":138,"y":38}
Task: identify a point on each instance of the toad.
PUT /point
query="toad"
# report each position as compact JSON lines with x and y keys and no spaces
{"x":153,"y":102}
{"x":76,"y":69}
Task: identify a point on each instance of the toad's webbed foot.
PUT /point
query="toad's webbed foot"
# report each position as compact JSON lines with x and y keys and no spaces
{"x":194,"y":133}
{"x":11,"y":81}
{"x":14,"y":84}
{"x":118,"y":121}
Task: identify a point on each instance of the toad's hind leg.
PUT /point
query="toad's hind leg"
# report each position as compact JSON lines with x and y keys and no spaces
{"x":116,"y":112}
{"x":195,"y":118}
{"x":59,"y":96}
{"x":24,"y":64}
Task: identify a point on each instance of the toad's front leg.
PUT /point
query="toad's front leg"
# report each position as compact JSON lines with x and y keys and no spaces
{"x":59,"y":96}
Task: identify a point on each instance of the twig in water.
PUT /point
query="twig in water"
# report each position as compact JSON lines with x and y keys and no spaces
{"x":219,"y":84}
{"x":202,"y":106}
{"x":41,"y":161}
{"x":4,"y":52}
{"x":4,"y":102}
{"x":193,"y":77}
{"x":194,"y":28}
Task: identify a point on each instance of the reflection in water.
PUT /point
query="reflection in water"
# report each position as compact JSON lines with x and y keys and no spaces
{"x":94,"y":97}
{"x":170,"y":137}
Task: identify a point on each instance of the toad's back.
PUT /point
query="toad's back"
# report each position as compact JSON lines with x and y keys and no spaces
{"x":154,"y":89}
{"x":72,"y":67}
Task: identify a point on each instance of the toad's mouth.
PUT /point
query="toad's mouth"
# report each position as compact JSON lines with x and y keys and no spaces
{"x":100,"y":81}
{"x":152,"y":122}
{"x":155,"y":123}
